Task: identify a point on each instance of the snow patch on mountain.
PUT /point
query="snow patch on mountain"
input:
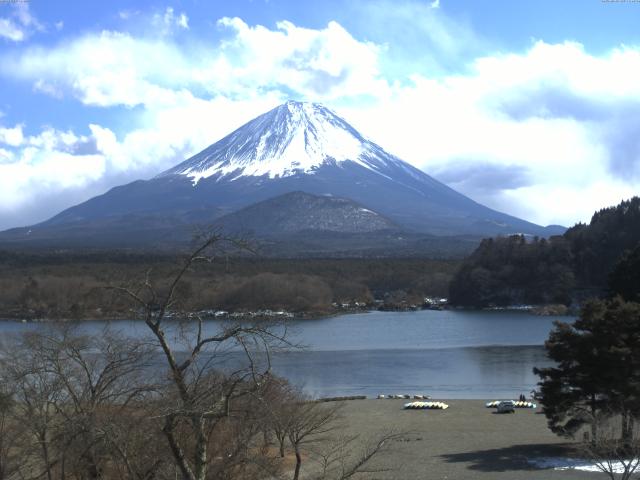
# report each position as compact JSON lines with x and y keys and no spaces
{"x":293,"y":138}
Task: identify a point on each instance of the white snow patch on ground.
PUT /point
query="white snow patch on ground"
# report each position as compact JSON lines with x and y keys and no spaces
{"x":564,"y":463}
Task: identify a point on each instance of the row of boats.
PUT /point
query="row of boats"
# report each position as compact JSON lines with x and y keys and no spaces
{"x":426,"y":406}
{"x":516,"y":403}
{"x":444,"y":406}
{"x":404,"y":396}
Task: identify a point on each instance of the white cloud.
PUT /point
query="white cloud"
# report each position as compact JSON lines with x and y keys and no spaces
{"x":47,"y":88}
{"x":549,"y":115}
{"x":566,"y":64}
{"x":168,"y":21}
{"x":6,"y":156}
{"x":418,"y":38}
{"x":435,"y":4}
{"x":12,"y":137}
{"x":24,"y":16}
{"x":106,"y":69}
{"x":21,"y":23}
{"x":321,"y":64}
{"x":51,"y":162}
{"x":547,"y":134}
{"x":11,"y":31}
{"x":183,"y":21}
{"x":127,"y":14}
{"x":115,"y":68}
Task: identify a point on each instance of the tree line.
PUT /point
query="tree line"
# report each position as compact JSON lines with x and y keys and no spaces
{"x":561,"y":269}
{"x":70,"y":286}
{"x":593,"y":387}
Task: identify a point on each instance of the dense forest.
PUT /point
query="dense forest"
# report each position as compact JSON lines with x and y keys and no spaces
{"x":587,"y":260}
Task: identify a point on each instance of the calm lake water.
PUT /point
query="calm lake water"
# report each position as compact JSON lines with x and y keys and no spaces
{"x":446,"y":354}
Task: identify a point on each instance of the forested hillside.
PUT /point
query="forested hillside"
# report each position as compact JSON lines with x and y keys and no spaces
{"x":517,"y":270}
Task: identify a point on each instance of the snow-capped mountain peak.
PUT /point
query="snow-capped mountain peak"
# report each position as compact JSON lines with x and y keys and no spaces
{"x":293,"y":138}
{"x":256,"y":170}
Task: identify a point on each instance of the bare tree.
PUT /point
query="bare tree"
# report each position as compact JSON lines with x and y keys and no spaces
{"x":70,"y":392}
{"x":101,"y":377}
{"x":10,"y":435}
{"x":201,"y":403}
{"x":279,"y":403}
{"x":314,"y":430}
{"x":100,"y":408}
{"x":310,"y":423}
{"x":345,"y":456}
{"x":36,"y":395}
{"x":616,"y":450}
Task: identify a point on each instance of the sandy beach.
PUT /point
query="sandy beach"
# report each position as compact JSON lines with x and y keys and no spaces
{"x":466,"y":441}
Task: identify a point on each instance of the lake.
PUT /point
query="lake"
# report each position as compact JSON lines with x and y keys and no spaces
{"x":446,"y":354}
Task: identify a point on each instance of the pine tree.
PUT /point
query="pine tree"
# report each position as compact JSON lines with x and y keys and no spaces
{"x":597,"y":370}
{"x":624,"y":280}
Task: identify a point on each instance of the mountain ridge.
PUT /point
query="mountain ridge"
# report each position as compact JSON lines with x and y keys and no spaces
{"x":300,"y":211}
{"x":290,"y":148}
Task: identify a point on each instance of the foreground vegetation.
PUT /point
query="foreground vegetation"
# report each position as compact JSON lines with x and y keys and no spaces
{"x":595,"y":383}
{"x":177,"y":404}
{"x":109,"y":407}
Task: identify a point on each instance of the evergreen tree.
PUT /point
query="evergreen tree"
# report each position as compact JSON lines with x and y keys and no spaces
{"x":597,"y":370}
{"x":624,"y":280}
{"x":512,"y":270}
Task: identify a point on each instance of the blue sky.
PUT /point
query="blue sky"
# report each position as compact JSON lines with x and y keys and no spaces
{"x":532,"y":108}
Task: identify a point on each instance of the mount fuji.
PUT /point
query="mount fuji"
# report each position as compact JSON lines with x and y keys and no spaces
{"x":296,"y":147}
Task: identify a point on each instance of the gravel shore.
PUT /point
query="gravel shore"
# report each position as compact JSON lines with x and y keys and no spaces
{"x":466,"y":441}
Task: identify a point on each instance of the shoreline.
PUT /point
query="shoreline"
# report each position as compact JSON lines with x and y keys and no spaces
{"x":265,"y":315}
{"x":187,"y":316}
